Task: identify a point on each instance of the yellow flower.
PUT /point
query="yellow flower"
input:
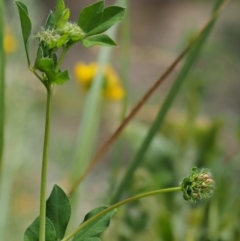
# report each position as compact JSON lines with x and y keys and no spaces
{"x":114,"y":93}
{"x":111,"y":88}
{"x":9,"y":42}
{"x":85,"y":73}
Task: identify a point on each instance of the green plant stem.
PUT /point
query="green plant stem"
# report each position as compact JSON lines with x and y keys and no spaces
{"x":45,"y":165}
{"x":129,"y":200}
{"x":62,"y":56}
{"x":2,"y":86}
{"x":191,"y":59}
{"x":38,"y":76}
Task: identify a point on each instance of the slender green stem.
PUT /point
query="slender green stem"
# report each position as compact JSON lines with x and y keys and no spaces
{"x":61,"y":58}
{"x":2,"y":85}
{"x":38,"y":76}
{"x":129,"y":200}
{"x":44,"y":166}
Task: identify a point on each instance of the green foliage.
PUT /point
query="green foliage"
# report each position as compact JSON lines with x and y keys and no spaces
{"x":103,"y":40}
{"x":90,"y":16}
{"x":60,"y":11}
{"x":46,"y":65}
{"x":165,"y":226}
{"x":32,"y":232}
{"x":164,"y":163}
{"x":59,"y":33}
{"x":58,"y":210}
{"x":111,"y":16}
{"x":96,"y":227}
{"x":50,"y":21}
{"x":25,"y":24}
{"x":2,"y":87}
{"x":94,"y":19}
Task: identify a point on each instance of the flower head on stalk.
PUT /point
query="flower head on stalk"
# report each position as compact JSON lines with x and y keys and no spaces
{"x":198,"y":185}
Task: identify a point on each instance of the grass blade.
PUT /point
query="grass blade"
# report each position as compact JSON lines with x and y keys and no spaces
{"x":91,"y":115}
{"x":2,"y":85}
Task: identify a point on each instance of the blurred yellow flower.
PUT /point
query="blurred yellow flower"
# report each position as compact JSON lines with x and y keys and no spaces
{"x":9,"y":42}
{"x":111,"y":89}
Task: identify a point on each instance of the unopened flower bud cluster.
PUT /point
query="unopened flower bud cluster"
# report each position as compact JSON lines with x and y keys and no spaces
{"x":55,"y":38}
{"x":198,"y":185}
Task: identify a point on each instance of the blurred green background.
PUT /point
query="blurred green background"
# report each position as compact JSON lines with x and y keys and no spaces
{"x":201,"y":129}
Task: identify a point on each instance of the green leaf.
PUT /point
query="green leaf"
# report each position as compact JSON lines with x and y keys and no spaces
{"x":54,"y":57}
{"x":96,"y":227}
{"x":32,"y":232}
{"x":91,"y":239}
{"x":62,"y":40}
{"x":111,"y":16}
{"x":50,"y":21}
{"x":45,"y":65}
{"x":61,"y":78}
{"x":103,"y":40}
{"x":91,"y":16}
{"x":165,"y":229}
{"x":63,"y":18}
{"x":58,"y":210}
{"x":39,"y":56}
{"x":26,"y":25}
{"x":60,"y":7}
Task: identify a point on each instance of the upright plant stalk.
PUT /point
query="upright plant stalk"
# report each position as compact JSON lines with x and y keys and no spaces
{"x":2,"y":85}
{"x":45,"y":165}
{"x":137,"y":160}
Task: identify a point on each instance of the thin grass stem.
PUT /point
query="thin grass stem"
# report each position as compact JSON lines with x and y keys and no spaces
{"x":2,"y":85}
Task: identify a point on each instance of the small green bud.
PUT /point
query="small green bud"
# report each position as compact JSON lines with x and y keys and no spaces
{"x":198,"y":185}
